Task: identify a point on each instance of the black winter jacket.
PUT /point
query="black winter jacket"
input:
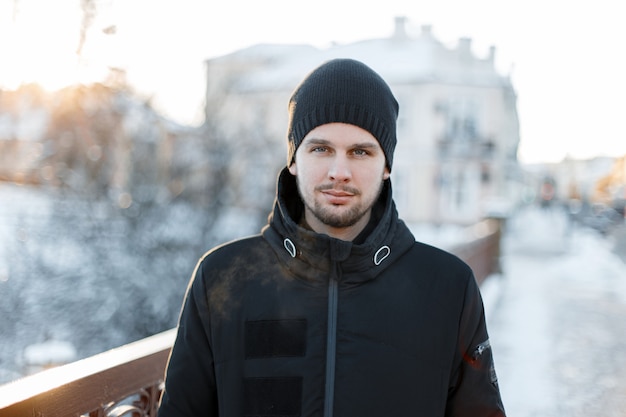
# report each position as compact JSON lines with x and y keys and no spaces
{"x":294,"y":323}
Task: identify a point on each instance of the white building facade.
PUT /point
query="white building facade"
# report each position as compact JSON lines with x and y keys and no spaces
{"x":458,"y":129}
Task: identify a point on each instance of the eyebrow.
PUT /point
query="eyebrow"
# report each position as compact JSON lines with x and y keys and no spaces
{"x":316,"y":141}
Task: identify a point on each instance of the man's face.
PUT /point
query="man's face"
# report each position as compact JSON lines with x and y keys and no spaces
{"x":340,"y":170}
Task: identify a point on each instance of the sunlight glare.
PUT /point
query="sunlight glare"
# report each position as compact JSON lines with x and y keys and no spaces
{"x":38,"y":45}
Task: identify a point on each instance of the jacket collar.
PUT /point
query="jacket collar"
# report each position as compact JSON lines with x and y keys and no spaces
{"x":314,"y":257}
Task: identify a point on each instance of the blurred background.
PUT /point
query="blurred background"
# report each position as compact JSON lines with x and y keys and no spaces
{"x":137,"y":134}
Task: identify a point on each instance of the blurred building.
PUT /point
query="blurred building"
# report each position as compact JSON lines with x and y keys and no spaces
{"x":458,"y":130}
{"x":597,"y":180}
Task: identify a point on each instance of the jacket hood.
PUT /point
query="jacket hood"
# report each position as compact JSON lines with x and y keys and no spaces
{"x":312,"y":256}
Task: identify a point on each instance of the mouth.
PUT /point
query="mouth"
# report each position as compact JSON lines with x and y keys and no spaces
{"x":338,"y":197}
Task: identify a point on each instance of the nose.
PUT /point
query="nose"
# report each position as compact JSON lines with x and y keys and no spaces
{"x":339,"y":169}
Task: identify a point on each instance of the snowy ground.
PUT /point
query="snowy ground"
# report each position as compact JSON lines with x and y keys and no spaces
{"x":557,"y":320}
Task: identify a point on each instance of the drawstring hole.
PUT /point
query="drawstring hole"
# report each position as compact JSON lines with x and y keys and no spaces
{"x":381,"y":254}
{"x":290,"y":247}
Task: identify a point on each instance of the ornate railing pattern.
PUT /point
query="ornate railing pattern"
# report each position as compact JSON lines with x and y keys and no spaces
{"x":128,"y":381}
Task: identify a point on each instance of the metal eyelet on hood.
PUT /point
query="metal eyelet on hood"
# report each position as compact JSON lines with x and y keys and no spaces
{"x":381,"y":254}
{"x":290,"y":247}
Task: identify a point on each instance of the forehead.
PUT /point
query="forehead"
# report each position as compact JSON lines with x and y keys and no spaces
{"x":341,"y":134}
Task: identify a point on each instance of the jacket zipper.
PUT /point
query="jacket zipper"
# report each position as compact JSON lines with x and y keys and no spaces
{"x":331,"y":345}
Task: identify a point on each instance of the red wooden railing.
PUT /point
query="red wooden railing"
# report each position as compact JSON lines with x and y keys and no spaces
{"x":127,"y":381}
{"x":482,"y":252}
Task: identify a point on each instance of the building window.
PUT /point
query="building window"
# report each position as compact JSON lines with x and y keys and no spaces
{"x":461,"y":121}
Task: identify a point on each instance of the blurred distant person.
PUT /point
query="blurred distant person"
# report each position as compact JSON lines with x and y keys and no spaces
{"x":547,"y":192}
{"x":334,"y":309}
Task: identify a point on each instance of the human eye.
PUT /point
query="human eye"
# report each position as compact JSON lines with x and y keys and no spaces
{"x":319,"y":149}
{"x":360,"y":152}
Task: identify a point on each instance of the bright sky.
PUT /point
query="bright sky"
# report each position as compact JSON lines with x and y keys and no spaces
{"x":566,"y":56}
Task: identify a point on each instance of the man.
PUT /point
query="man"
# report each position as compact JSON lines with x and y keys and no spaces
{"x":335,"y":309}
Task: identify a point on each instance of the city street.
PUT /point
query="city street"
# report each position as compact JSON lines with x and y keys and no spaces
{"x":557,"y":319}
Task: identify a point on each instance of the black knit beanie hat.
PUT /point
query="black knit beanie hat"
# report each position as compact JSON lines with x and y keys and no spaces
{"x":344,"y":91}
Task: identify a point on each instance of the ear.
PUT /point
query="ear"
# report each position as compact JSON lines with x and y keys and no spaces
{"x":292,"y":168}
{"x":386,"y":174}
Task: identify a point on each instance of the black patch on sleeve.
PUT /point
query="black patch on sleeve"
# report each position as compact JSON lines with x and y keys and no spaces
{"x":266,"y":397}
{"x":275,"y":338}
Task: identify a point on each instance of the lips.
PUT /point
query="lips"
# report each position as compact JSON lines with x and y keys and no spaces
{"x":337,"y":197}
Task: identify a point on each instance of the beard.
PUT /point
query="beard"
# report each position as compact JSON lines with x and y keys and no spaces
{"x":336,"y":217}
{"x":338,"y":220}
